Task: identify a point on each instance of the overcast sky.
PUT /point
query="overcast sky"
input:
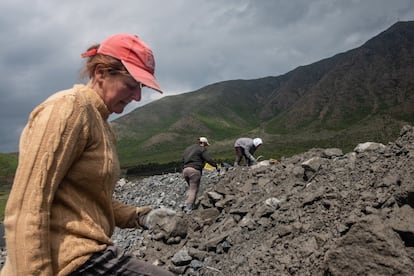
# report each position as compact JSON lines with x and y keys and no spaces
{"x":195,"y":42}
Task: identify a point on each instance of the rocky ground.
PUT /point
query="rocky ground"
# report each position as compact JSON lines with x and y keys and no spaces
{"x":322,"y":212}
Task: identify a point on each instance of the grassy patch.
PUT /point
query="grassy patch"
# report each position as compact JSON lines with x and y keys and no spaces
{"x":8,"y":164}
{"x":5,"y":186}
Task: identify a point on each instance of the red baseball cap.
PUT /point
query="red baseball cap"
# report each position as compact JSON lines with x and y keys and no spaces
{"x":134,"y":54}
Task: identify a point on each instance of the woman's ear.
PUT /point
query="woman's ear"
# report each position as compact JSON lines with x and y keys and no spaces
{"x":99,"y":73}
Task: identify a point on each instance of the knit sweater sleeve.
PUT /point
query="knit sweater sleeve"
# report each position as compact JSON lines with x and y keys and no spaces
{"x":53,"y":138}
{"x":125,"y":215}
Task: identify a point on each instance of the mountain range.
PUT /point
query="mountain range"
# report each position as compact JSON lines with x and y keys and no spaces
{"x":364,"y":94}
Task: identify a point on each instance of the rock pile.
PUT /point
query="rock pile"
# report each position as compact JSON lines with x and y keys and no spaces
{"x":317,"y":213}
{"x":321,"y":212}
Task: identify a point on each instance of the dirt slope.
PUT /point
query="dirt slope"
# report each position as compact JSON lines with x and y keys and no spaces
{"x":318,"y":213}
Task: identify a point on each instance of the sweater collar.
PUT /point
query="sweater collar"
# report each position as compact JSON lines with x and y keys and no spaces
{"x":96,"y":100}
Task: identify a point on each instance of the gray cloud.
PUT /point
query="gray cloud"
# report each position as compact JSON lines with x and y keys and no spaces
{"x":195,"y":42}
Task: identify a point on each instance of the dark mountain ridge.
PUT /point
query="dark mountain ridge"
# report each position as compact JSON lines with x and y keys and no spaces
{"x":359,"y":95}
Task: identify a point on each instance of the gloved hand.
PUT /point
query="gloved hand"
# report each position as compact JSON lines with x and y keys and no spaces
{"x":219,"y":166}
{"x":252,"y":161}
{"x":136,"y":220}
{"x":166,"y":225}
{"x":141,"y":213}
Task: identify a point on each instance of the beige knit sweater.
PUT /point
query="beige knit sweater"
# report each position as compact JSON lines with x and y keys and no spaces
{"x":60,"y":209}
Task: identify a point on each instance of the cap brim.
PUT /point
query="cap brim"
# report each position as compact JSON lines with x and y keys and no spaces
{"x":142,"y":76}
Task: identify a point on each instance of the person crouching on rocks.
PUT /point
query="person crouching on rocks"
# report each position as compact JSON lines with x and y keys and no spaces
{"x":194,"y":159}
{"x":61,"y":214}
{"x":246,"y":147}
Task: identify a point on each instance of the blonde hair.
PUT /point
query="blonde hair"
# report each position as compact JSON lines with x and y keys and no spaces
{"x":112,"y":65}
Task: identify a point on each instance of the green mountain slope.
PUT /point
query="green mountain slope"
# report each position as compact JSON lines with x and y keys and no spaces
{"x":357,"y":96}
{"x":160,"y":130}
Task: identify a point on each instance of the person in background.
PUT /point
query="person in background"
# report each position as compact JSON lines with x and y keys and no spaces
{"x":194,"y":159}
{"x":246,"y":147}
{"x":61,"y":214}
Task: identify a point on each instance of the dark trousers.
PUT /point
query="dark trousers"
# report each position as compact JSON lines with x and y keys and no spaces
{"x":113,"y":261}
{"x":192,"y":177}
{"x":239,"y":156}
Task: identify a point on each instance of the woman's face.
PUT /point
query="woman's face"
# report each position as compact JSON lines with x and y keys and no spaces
{"x":117,"y":91}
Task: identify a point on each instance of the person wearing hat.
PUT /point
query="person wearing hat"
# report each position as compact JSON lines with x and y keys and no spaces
{"x":194,"y":159}
{"x":246,"y":147}
{"x":61,"y":214}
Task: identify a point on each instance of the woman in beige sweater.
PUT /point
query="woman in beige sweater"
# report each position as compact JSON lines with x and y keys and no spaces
{"x":60,"y":214}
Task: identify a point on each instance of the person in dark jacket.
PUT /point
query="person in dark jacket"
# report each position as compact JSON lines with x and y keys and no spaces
{"x":246,"y":147}
{"x":194,"y":159}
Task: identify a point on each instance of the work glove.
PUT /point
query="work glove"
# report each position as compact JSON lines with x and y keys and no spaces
{"x":165,"y":224}
{"x":253,"y":161}
{"x":137,"y":220}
